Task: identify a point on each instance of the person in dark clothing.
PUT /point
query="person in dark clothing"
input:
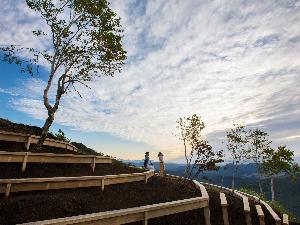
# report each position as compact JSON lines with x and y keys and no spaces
{"x":146,"y":161}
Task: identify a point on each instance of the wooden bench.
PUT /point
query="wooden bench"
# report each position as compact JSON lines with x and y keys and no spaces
{"x":28,"y":139}
{"x":42,"y":184}
{"x":122,"y":216}
{"x":29,"y":157}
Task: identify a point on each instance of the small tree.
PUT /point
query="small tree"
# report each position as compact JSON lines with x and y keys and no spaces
{"x":237,"y":139}
{"x":198,"y":153}
{"x":60,"y":135}
{"x":278,"y":161}
{"x":258,"y":145}
{"x":85,"y":43}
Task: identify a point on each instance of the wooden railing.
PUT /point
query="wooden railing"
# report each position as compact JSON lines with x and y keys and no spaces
{"x":142,"y":213}
{"x":28,"y":139}
{"x":29,"y":157}
{"x":267,"y":206}
{"x":41,"y":184}
{"x":246,"y":205}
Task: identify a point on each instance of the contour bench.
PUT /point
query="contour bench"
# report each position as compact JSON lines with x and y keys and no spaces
{"x":43,"y":184}
{"x":28,"y":139}
{"x":29,"y":157}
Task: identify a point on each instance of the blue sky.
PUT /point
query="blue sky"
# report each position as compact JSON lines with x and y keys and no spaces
{"x":228,"y":61}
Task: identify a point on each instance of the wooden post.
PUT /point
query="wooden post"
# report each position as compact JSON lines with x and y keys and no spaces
{"x":285,"y":219}
{"x":102,"y":184}
{"x":248,"y":218}
{"x":145,"y":218}
{"x":247,"y":210}
{"x":93,"y":164}
{"x":207,"y":215}
{"x":8,"y":186}
{"x":224,"y":208}
{"x":28,"y":142}
{"x":24,"y":162}
{"x":260,"y":214}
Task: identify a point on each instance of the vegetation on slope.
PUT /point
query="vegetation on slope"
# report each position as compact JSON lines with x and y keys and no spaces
{"x":6,"y":125}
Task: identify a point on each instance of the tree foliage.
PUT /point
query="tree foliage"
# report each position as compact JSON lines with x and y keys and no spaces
{"x":237,"y":139}
{"x":279,"y":161}
{"x":259,"y":144}
{"x":198,"y":152}
{"x":60,"y":135}
{"x":86,"y":42}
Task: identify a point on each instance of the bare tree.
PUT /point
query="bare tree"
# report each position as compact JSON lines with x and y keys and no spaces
{"x":237,"y":139}
{"x":199,"y":155}
{"x":85,"y":39}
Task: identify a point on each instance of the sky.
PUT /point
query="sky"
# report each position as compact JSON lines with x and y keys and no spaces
{"x":227,"y":61}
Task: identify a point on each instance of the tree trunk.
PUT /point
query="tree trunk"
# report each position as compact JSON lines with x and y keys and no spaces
{"x":259,"y":183}
{"x":232,"y":184}
{"x":222,"y":180}
{"x":272,"y":188}
{"x":259,"y":177}
{"x":233,"y":176}
{"x":44,"y":133}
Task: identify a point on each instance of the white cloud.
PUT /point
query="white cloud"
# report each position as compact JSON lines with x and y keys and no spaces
{"x":225,"y":61}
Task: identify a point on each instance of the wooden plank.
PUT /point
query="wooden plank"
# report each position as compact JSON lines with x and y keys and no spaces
{"x":285,"y":219}
{"x":202,"y":189}
{"x":223,"y":199}
{"x":51,"y":158}
{"x":260,"y":214}
{"x":34,"y":184}
{"x":25,"y":162}
{"x":224,"y":206}
{"x":129,"y":215}
{"x":204,"y":195}
{"x":27,"y":139}
{"x":7,"y":190}
{"x":269,"y":208}
{"x":28,"y":142}
{"x":145,"y":222}
{"x":271,"y":211}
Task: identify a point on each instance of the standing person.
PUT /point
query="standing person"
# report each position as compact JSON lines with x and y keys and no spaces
{"x":146,"y":160}
{"x":161,"y":163}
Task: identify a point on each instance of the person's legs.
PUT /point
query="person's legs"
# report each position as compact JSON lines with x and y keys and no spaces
{"x":161,"y":168}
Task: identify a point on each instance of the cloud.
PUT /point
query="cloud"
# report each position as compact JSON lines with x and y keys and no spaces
{"x":226,"y":61}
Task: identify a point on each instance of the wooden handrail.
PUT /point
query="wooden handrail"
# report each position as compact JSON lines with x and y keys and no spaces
{"x":129,"y":215}
{"x":268,"y":207}
{"x":29,"y":157}
{"x":285,"y":219}
{"x":260,"y":214}
{"x":34,"y":184}
{"x":33,"y":139}
{"x":224,"y":206}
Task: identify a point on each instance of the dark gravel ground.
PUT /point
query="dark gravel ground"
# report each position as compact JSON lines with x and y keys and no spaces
{"x":35,"y":170}
{"x":41,"y":205}
{"x":9,"y":146}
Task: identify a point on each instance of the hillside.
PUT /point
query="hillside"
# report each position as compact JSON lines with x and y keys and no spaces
{"x":6,"y":125}
{"x":287,"y":191}
{"x":81,"y":185}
